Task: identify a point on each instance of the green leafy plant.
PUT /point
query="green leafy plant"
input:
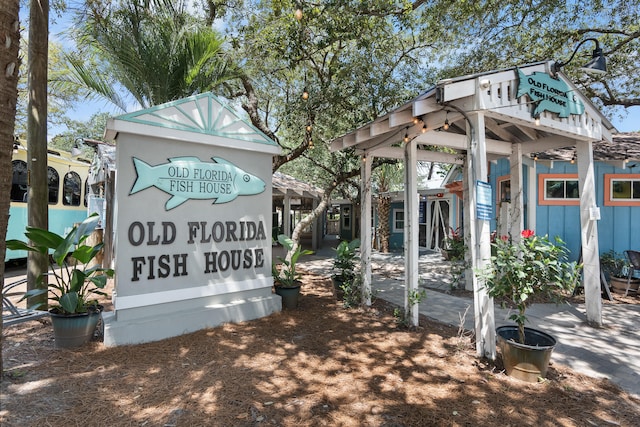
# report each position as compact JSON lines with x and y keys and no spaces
{"x":344,"y":262}
{"x":531,"y":266}
{"x":74,"y":281}
{"x":287,"y":276}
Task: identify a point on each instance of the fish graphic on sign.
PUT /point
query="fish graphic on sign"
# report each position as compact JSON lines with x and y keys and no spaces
{"x":549,"y":94}
{"x":187,"y":178}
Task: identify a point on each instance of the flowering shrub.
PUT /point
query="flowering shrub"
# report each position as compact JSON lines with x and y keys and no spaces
{"x":532,"y":266}
{"x":454,"y":244}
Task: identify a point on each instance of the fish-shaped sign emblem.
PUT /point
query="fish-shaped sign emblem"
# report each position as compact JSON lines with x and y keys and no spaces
{"x":190,"y":178}
{"x":549,"y":94}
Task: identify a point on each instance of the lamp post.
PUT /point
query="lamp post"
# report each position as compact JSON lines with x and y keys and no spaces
{"x":597,"y":64}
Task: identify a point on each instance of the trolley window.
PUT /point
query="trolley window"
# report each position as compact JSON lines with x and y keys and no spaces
{"x":19,"y":181}
{"x":54,"y":185}
{"x":72,"y":187}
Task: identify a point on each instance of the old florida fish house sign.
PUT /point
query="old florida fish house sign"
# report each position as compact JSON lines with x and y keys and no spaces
{"x":549,"y":94}
{"x":187,"y":178}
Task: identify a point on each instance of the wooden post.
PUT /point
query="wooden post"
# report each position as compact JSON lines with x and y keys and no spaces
{"x":517,"y":192}
{"x":480,"y":244}
{"x":365,"y":228}
{"x":411,"y":226}
{"x":589,"y":215}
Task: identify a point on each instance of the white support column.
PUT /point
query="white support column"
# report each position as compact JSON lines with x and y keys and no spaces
{"x":286,"y":216}
{"x":365,"y":228}
{"x":411,"y":226}
{"x":480,"y":239}
{"x":532,"y":196}
{"x":469,"y":237}
{"x":589,"y":215}
{"x":517,"y":192}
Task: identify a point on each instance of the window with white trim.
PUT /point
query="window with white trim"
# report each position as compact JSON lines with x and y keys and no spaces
{"x":561,"y":189}
{"x":398,"y":220}
{"x":625,"y":190}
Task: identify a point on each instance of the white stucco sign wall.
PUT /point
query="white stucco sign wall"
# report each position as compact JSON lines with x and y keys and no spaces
{"x":193,"y":221}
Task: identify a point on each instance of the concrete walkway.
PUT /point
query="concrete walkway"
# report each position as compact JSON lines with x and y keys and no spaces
{"x":612,"y":351}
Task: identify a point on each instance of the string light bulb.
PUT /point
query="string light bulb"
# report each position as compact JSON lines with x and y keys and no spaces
{"x":537,"y":121}
{"x":406,"y":137}
{"x":446,"y":124}
{"x":308,"y":128}
{"x":311,"y":143}
{"x":535,"y":156}
{"x":626,"y":157}
{"x":305,"y":94}
{"x":424,"y":128}
{"x":573,"y":159}
{"x":298,"y":14}
{"x":416,"y":120}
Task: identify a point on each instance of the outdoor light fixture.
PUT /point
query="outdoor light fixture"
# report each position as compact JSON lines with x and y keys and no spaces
{"x":406,"y":137}
{"x":77,"y":147}
{"x":308,"y":127}
{"x":573,"y":159}
{"x":597,"y":64}
{"x":446,"y":124}
{"x":537,"y":121}
{"x":424,"y":127}
{"x":305,"y":94}
{"x":534,"y":156}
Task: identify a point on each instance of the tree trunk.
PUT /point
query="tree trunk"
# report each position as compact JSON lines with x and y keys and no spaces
{"x":37,"y":193}
{"x":384,"y":204}
{"x":9,"y":66}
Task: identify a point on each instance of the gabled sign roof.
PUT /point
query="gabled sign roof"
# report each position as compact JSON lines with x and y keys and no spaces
{"x":437,"y":117}
{"x":196,"y":118}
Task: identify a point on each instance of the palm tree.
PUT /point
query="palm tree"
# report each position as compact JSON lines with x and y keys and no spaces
{"x":9,"y":63}
{"x":154,"y":53}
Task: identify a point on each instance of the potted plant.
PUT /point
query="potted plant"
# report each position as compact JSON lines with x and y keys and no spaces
{"x":344,"y":264}
{"x":72,"y":281}
{"x":286,"y":280}
{"x":616,"y":269}
{"x":533,"y":266}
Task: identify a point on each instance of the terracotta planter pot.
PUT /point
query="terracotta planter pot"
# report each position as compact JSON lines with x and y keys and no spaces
{"x":619,"y":285}
{"x":529,"y":361}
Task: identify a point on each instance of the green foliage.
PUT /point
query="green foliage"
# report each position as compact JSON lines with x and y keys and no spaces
{"x":287,"y":276}
{"x":74,"y":282}
{"x":155,"y":51}
{"x":345,"y":260}
{"x":532,"y":266}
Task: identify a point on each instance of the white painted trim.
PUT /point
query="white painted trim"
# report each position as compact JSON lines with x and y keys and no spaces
{"x":116,"y":126}
{"x":395,"y":229}
{"x":174,"y":295}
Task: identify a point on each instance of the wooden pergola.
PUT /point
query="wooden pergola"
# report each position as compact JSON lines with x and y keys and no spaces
{"x":479,"y":118}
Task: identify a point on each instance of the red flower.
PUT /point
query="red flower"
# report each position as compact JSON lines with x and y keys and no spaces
{"x":527,"y":233}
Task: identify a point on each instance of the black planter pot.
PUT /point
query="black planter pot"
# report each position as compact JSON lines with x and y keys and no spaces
{"x":528,"y":361}
{"x":74,"y":330}
{"x":290,"y":296}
